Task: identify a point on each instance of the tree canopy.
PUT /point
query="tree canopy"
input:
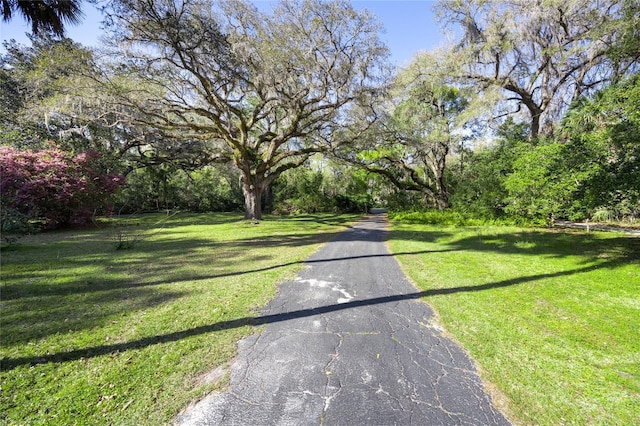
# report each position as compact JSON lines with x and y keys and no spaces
{"x":424,"y":122}
{"x":542,"y":54}
{"x":266,"y":91}
{"x":214,"y":105}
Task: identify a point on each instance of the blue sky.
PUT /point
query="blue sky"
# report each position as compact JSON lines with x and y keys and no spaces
{"x":409,"y":27}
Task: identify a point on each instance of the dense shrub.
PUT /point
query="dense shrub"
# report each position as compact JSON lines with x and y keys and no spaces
{"x":54,"y":187}
{"x":307,"y":191}
{"x":588,"y":170}
{"x":478,"y":189}
{"x":14,"y":225}
{"x":165,"y":187}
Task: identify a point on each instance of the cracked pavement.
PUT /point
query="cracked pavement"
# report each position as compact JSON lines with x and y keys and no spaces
{"x":344,"y":347}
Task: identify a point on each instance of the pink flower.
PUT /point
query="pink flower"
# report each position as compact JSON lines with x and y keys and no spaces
{"x":53,"y":185}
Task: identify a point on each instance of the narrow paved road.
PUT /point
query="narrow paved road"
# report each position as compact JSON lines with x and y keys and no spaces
{"x":346,"y":343}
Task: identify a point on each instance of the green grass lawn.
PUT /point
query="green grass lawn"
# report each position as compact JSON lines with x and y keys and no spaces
{"x":95,"y":335}
{"x":552,"y":317}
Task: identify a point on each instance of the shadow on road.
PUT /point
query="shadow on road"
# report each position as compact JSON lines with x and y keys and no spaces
{"x":609,"y":253}
{"x":11,"y":363}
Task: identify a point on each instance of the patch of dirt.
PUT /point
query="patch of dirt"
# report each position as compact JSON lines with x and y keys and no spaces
{"x":213,"y":376}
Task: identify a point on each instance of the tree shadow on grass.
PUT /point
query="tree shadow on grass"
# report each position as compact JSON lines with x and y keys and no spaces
{"x":30,"y":320}
{"x":599,"y":252}
{"x":60,"y":357}
{"x":141,"y":266}
{"x":102,"y":285}
{"x":64,"y":285}
{"x":180,"y":219}
{"x":611,"y":250}
{"x":66,"y":282}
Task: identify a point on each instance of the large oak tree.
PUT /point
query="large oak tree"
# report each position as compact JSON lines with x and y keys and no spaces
{"x":543,"y":54}
{"x":423,"y":121}
{"x":264,"y":90}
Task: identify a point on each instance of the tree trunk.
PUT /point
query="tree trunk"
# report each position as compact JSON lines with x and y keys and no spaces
{"x":442,"y":202}
{"x":252,"y":199}
{"x":535,"y":124}
{"x":442,"y":197}
{"x":438,"y":166}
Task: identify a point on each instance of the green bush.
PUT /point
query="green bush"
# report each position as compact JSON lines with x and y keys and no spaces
{"x":304,"y":190}
{"x":14,"y":225}
{"x":165,"y":187}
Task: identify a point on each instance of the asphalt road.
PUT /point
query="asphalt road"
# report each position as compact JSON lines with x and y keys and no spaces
{"x":347,"y":343}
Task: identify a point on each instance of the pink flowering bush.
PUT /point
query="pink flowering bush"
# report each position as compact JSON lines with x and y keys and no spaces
{"x":53,"y":186}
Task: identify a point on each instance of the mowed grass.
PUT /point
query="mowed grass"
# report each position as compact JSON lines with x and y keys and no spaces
{"x":95,"y":335}
{"x":551,"y":316}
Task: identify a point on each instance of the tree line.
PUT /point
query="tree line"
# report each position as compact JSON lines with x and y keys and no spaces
{"x":218,"y":105}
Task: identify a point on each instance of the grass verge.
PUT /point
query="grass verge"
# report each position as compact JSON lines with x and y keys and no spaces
{"x":95,"y":335}
{"x":551,"y":317}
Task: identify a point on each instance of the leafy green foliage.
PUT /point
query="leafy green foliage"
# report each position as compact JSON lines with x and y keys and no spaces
{"x":479,"y":188}
{"x":336,"y":190}
{"x":14,"y":225}
{"x":545,"y":182}
{"x":410,"y":145}
{"x":37,"y":81}
{"x":591,"y":166}
{"x":595,"y":167}
{"x":208,"y":189}
{"x":609,"y":127}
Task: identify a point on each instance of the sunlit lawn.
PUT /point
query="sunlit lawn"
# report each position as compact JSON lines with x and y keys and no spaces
{"x":552,"y":317}
{"x":95,"y":335}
